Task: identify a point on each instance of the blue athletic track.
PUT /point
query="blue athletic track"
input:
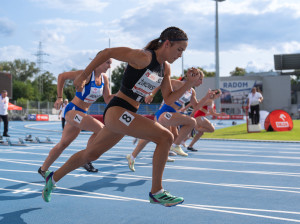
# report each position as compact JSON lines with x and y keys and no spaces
{"x":234,"y":182}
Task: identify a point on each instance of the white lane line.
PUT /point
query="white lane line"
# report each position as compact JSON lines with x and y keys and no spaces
{"x":28,"y":191}
{"x":240,"y":213}
{"x":145,"y":165}
{"x":220,"y":209}
{"x":190,"y":168}
{"x":293,"y":190}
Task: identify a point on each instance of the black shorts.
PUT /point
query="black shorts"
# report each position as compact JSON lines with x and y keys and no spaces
{"x":119,"y":102}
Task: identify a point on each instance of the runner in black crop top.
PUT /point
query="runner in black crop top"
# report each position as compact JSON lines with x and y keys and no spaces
{"x":137,"y":83}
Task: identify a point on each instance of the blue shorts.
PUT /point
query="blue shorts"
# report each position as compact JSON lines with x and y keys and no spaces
{"x":164,"y":108}
{"x":72,"y":106}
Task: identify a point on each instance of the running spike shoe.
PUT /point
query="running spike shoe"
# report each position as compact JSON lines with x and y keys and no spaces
{"x":90,"y":168}
{"x":41,"y":172}
{"x":165,"y":199}
{"x":178,"y":150}
{"x":49,"y":186}
{"x":130,"y":163}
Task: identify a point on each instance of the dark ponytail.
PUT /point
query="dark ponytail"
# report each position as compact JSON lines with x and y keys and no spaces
{"x":171,"y":33}
{"x":153,"y":45}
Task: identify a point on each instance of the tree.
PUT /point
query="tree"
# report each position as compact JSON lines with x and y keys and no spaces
{"x":21,"y":70}
{"x":23,"y":90}
{"x":238,"y":72}
{"x":116,"y":77}
{"x":49,"y":89}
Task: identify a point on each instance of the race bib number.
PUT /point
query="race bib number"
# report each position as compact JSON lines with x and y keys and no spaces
{"x":168,"y":115}
{"x":95,"y":93}
{"x":77,"y":118}
{"x":147,"y":83}
{"x":126,"y":118}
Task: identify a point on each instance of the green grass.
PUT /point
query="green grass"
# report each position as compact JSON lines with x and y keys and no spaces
{"x":240,"y":132}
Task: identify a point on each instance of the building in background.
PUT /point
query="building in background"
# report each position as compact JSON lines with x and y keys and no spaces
{"x":275,"y":88}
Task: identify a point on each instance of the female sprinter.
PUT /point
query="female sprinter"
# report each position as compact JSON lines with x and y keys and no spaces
{"x":146,"y":70}
{"x":203,"y":124}
{"x":76,"y":111}
{"x":169,"y":117}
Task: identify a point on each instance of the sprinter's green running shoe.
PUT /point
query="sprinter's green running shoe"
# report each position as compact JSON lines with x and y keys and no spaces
{"x":49,"y":186}
{"x":165,"y":199}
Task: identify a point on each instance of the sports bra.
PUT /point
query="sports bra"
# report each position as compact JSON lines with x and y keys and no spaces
{"x":91,"y":92}
{"x":138,"y":83}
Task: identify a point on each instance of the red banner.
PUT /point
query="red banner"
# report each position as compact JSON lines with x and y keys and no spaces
{"x":278,"y":120}
{"x":42,"y":117}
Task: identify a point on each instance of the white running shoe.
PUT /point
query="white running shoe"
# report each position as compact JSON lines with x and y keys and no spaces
{"x":130,"y":162}
{"x":170,"y":160}
{"x":178,"y":150}
{"x":171,"y":153}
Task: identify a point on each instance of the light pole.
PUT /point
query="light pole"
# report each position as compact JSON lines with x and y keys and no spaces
{"x":217,"y":78}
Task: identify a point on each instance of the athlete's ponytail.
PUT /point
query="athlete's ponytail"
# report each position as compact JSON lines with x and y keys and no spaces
{"x":171,"y":34}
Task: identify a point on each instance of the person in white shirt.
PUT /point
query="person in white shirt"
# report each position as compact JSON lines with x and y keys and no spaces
{"x":62,"y":112}
{"x":254,"y":99}
{"x":3,"y":111}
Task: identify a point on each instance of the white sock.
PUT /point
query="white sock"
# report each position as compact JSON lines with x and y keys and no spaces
{"x":174,"y":145}
{"x":159,"y":192}
{"x":53,"y":181}
{"x":132,"y":158}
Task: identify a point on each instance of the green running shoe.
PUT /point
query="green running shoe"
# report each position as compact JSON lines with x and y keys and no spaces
{"x":49,"y":186}
{"x":165,"y":199}
{"x":130,"y":163}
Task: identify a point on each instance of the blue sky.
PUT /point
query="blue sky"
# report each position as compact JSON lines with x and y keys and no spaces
{"x":73,"y":31}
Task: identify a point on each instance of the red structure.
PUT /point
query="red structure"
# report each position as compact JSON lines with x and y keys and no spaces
{"x":278,"y":120}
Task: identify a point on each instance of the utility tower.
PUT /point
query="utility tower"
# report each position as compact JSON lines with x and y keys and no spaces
{"x":40,"y":61}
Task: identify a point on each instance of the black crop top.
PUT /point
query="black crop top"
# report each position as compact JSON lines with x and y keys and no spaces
{"x":138,"y":83}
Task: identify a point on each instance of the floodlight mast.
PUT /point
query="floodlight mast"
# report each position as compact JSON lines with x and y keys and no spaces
{"x":217,"y":77}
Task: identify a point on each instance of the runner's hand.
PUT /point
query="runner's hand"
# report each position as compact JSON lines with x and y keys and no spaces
{"x":58,"y":103}
{"x":149,"y":98}
{"x":193,"y":75}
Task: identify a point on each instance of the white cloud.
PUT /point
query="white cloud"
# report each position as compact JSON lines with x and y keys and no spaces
{"x":7,"y":27}
{"x":74,"y":5}
{"x":12,"y":52}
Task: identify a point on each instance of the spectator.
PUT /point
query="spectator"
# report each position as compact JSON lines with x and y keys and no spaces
{"x":254,"y":99}
{"x":3,"y":111}
{"x":62,"y":112}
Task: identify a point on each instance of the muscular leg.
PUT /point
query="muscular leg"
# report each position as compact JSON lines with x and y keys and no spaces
{"x":187,"y":122}
{"x":196,"y":138}
{"x":203,"y":125}
{"x":92,"y":152}
{"x":141,"y":144}
{"x":69,"y":134}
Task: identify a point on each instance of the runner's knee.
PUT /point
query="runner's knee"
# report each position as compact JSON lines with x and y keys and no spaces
{"x":165,"y":137}
{"x":92,"y":155}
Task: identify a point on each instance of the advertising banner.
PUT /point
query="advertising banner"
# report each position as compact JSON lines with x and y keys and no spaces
{"x":31,"y":117}
{"x":236,"y":91}
{"x":42,"y":117}
{"x":278,"y":120}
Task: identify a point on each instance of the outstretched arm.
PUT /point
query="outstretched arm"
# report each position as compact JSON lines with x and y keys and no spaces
{"x":170,"y":95}
{"x":138,"y":59}
{"x":60,"y":85}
